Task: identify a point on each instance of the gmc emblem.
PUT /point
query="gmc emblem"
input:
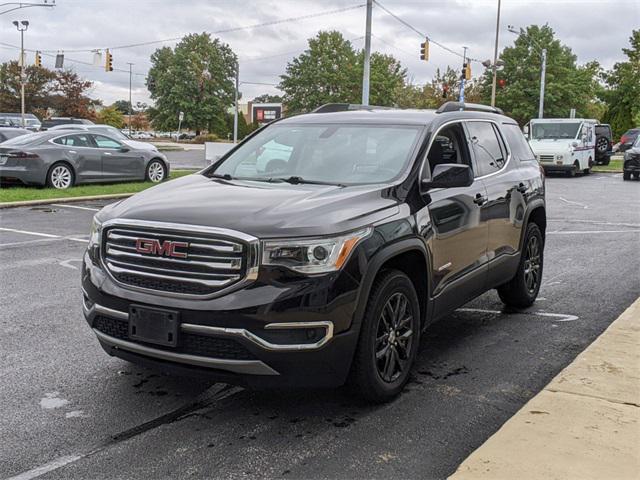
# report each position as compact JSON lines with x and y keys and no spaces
{"x":167,"y":248}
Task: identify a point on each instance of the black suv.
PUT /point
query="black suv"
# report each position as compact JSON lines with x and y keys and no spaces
{"x":319,"y":249}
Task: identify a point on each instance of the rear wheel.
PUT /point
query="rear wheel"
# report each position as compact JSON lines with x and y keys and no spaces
{"x":156,"y":171}
{"x":521,"y":291}
{"x":61,"y":176}
{"x":389,"y":339}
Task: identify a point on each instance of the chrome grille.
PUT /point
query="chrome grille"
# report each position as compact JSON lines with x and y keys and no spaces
{"x":176,"y":260}
{"x":546,"y":158}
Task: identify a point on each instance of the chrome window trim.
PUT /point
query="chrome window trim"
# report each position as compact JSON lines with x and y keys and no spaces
{"x":252,"y":254}
{"x":245,"y":334}
{"x":463,"y":120}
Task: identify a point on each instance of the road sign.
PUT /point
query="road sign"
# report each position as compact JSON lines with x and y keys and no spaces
{"x":181,"y":116}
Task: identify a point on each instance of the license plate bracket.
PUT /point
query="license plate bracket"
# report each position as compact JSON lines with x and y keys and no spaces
{"x":153,"y":325}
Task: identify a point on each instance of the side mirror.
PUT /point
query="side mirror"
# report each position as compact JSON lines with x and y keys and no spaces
{"x":449,"y":175}
{"x":124,"y":149}
{"x":575,"y":144}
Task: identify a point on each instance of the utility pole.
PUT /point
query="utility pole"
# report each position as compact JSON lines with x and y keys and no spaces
{"x":367,"y":56}
{"x":495,"y":60}
{"x":22,"y":27}
{"x":235,"y":110}
{"x":130,"y":105}
{"x":543,"y":72}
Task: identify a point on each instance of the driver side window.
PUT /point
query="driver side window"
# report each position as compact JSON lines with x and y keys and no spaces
{"x":449,"y":146}
{"x":106,"y":142}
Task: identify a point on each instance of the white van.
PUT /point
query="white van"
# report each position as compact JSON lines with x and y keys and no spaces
{"x":563,"y":144}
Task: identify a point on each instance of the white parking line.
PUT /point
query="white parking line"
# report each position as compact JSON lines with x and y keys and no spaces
{"x":582,"y":232}
{"x":47,"y":467}
{"x":60,"y":205}
{"x":27,"y":232}
{"x":571,"y":202}
{"x":560,"y":317}
{"x":38,"y":234}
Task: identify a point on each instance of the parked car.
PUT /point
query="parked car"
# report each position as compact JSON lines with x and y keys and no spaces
{"x":324,"y":265}
{"x":631,"y":165}
{"x":9,"y":132}
{"x":63,"y":158}
{"x":604,"y":144}
{"x":53,"y":121}
{"x":563,"y":144}
{"x":628,"y":139}
{"x":109,"y":131}
{"x":32,"y":123}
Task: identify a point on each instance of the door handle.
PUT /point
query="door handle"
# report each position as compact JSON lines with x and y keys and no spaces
{"x":480,"y":199}
{"x":72,"y":151}
{"x":107,"y":153}
{"x":522,"y":188}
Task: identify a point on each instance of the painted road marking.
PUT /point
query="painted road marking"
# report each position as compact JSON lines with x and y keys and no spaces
{"x":594,"y":222}
{"x":47,"y":467}
{"x":578,"y":232}
{"x":60,"y":205}
{"x":39,"y":234}
{"x":67,"y":263}
{"x":27,"y":232}
{"x":571,"y":202}
{"x":560,"y":317}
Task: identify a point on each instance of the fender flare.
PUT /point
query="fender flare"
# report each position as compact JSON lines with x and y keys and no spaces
{"x":374,"y":266}
{"x":532,"y":206}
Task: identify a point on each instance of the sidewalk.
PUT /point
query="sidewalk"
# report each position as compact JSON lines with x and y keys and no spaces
{"x":585,"y":424}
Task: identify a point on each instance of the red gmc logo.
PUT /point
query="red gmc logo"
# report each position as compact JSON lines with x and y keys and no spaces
{"x":167,"y":248}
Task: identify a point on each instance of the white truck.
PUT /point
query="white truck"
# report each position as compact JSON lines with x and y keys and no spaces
{"x":563,"y":144}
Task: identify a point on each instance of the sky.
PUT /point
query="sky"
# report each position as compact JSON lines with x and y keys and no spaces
{"x":593,"y":29}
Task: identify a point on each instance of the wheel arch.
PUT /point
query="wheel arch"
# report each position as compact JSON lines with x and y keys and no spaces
{"x":537,"y":214}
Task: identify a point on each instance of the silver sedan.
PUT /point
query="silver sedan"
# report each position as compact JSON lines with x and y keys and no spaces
{"x":63,"y":158}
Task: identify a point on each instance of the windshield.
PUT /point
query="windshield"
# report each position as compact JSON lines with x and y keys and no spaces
{"x":115,"y":133}
{"x":337,"y":154}
{"x":554,"y":130}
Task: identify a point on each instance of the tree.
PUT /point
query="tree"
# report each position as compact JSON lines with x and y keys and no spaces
{"x":122,"y":106}
{"x":267,"y":98}
{"x":70,"y":100}
{"x":111,"y":116}
{"x":622,"y":92}
{"x":139,"y":121}
{"x":197,"y":77}
{"x":38,"y":88}
{"x":567,"y":84}
{"x":330,"y":71}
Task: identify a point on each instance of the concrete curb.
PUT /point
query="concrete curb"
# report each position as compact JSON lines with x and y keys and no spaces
{"x":585,"y":424}
{"x":46,"y":201}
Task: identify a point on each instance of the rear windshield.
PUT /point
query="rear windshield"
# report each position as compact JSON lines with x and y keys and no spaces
{"x":339,"y":154}
{"x":22,"y":140}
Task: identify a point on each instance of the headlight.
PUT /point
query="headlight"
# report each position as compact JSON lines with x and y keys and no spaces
{"x":94,"y":241}
{"x":312,"y":255}
{"x":559,"y":157}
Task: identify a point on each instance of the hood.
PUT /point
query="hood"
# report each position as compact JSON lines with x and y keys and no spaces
{"x":141,"y":145}
{"x":260,"y":209}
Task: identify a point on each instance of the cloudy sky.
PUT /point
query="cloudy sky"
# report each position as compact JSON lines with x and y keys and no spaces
{"x":594,"y":29}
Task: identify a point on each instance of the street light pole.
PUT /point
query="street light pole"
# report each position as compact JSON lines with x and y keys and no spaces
{"x":22,"y":27}
{"x":130,"y":105}
{"x":235,"y":109}
{"x":367,"y":56}
{"x":495,"y":60}
{"x":543,"y":72}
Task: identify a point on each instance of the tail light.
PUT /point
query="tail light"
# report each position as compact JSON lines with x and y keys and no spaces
{"x":23,"y":155}
{"x":623,"y":139}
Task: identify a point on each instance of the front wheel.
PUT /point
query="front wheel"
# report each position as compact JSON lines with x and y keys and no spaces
{"x":521,"y":291}
{"x":389,"y":339}
{"x":156,"y":171}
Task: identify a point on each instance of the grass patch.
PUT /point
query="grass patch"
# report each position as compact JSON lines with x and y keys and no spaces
{"x":18,"y":194}
{"x":615,"y":166}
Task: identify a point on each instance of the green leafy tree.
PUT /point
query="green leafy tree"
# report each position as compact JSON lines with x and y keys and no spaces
{"x":568,"y":85}
{"x":111,"y":116}
{"x":122,"y":106}
{"x":444,"y":87}
{"x":330,"y":71}
{"x":38,"y":89}
{"x":197,"y":78}
{"x":622,"y":91}
{"x":267,"y":98}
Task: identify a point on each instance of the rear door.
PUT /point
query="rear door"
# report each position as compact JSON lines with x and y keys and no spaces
{"x":119,"y":162}
{"x":81,"y":153}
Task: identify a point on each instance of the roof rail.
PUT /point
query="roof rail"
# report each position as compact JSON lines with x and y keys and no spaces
{"x":461,"y":106}
{"x":344,"y":107}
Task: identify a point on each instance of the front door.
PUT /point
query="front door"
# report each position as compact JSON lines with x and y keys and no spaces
{"x":453,"y":226}
{"x":118,"y":161}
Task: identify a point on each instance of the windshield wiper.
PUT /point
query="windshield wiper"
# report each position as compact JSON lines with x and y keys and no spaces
{"x":225,"y":176}
{"x":295,"y":180}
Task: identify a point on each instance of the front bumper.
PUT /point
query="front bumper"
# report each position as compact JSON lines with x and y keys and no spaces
{"x":631,"y":166}
{"x":259,"y":336}
{"x":550,"y":167}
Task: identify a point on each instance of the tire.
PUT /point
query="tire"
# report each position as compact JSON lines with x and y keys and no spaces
{"x":602,"y":145}
{"x":156,"y":171}
{"x":636,"y":176}
{"x":381,"y":365}
{"x":626,"y":175}
{"x":61,"y":176}
{"x":521,"y":291}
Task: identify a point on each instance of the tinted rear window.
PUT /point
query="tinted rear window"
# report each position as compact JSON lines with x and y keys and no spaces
{"x":519,"y":146}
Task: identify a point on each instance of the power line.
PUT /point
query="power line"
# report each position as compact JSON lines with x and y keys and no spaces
{"x":226,"y":30}
{"x":422,"y":34}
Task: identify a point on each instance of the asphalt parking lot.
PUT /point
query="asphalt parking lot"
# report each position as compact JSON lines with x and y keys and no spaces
{"x":70,"y":411}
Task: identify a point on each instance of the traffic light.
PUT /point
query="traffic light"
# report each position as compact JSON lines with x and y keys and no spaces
{"x":108,"y":64}
{"x":424,"y":50}
{"x":467,"y":70}
{"x":445,"y":90}
{"x":502,"y":82}
{"x":38,"y":59}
